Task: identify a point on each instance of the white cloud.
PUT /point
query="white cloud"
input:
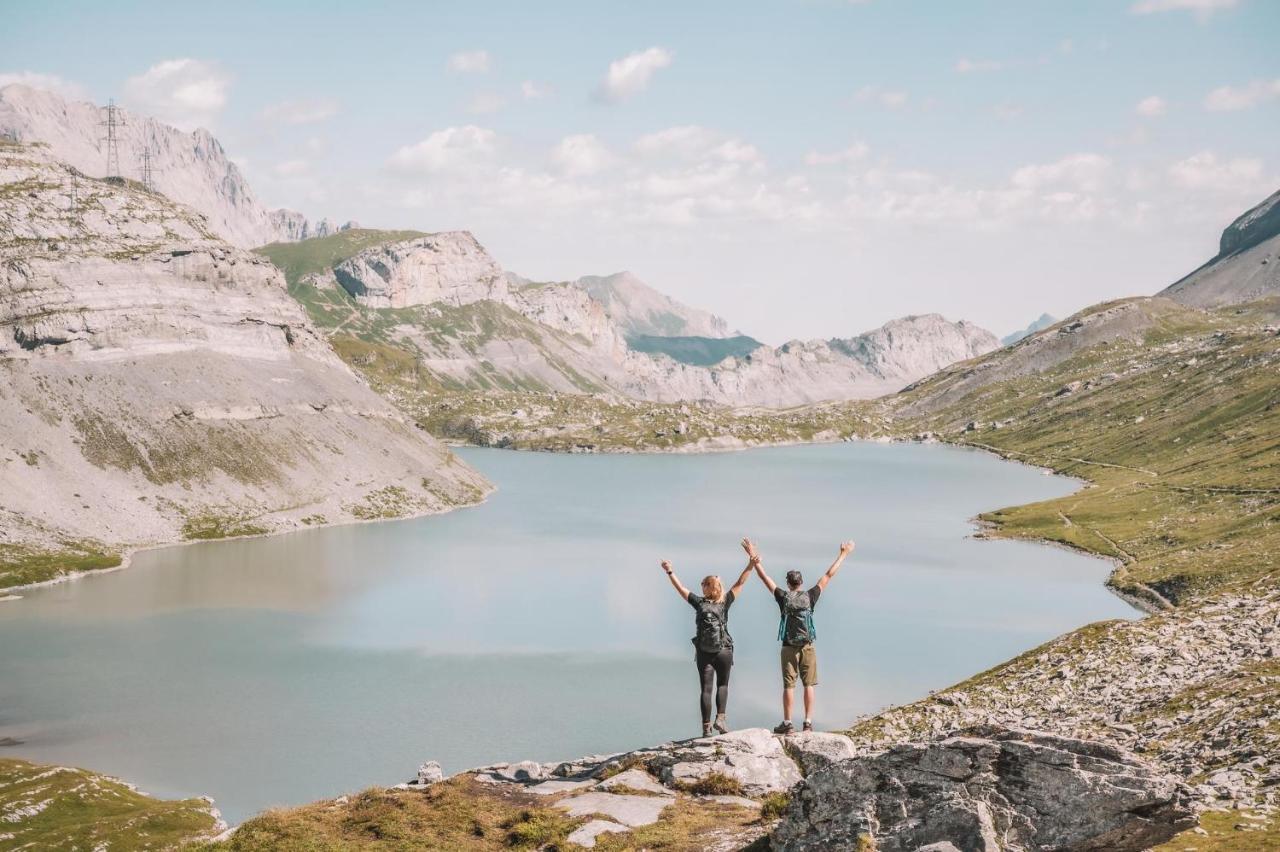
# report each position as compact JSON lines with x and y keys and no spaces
{"x":303,"y":111}
{"x":1206,"y":172}
{"x":187,"y":93}
{"x":1202,"y":8}
{"x":853,"y":153}
{"x":486,"y":103}
{"x":887,"y":98}
{"x":49,"y":82}
{"x":631,"y":74}
{"x":470,"y":62}
{"x":1231,"y":98}
{"x":1085,"y":172}
{"x":581,"y":155}
{"x":532,"y":91}
{"x":446,"y":150}
{"x":292,"y":168}
{"x":1151,"y":107}
{"x":971,"y":66}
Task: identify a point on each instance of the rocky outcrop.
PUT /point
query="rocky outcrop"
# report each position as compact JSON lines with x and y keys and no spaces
{"x":637,"y":308}
{"x":290,"y":226}
{"x":995,"y":790}
{"x":450,"y":267}
{"x":1187,"y":689}
{"x":1246,"y":268}
{"x":189,"y":168}
{"x":990,"y":790}
{"x":160,"y":383}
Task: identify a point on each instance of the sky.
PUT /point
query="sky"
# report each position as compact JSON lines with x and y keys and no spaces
{"x":805,"y":169}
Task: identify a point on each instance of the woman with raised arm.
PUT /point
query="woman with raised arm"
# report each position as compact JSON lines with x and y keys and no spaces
{"x":713,"y":646}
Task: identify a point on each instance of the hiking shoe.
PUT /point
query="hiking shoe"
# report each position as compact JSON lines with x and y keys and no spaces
{"x":785,"y":728}
{"x":721,"y":726}
{"x":706,"y":729}
{"x":808,"y":727}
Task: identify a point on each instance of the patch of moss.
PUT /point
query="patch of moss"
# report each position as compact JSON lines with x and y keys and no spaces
{"x":22,"y":565}
{"x":212,"y":526}
{"x":54,"y":807}
{"x":713,"y":784}
{"x":773,"y":806}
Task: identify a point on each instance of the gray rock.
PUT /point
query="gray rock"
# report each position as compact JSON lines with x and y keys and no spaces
{"x":636,"y":779}
{"x":753,"y":756}
{"x":557,"y":785}
{"x":629,"y":810}
{"x":525,"y":770}
{"x":996,"y":790}
{"x":815,"y":750}
{"x":585,"y":835}
{"x":430,"y":772}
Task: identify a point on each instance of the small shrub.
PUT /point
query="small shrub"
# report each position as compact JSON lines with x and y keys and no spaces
{"x":774,"y":806}
{"x":537,"y":829}
{"x":714,"y":784}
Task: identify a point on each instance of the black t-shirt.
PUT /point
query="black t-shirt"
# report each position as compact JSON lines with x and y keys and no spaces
{"x":695,"y":599}
{"x":780,"y":595}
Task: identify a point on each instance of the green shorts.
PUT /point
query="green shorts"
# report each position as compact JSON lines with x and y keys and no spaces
{"x":802,"y":661}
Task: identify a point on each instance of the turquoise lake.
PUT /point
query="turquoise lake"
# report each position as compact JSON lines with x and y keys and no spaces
{"x":280,"y":670}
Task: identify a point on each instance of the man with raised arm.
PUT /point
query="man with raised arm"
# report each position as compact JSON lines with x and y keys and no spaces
{"x":797,"y":632}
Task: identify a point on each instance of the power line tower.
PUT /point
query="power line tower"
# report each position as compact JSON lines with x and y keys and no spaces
{"x":113,"y":122}
{"x":148,"y":170}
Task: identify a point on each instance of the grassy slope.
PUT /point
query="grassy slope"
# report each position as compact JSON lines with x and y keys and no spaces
{"x":49,"y":807}
{"x":1179,"y":437}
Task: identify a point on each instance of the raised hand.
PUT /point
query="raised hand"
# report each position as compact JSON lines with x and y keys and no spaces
{"x":750,"y":548}
{"x":846,"y":547}
{"x":666,"y":566}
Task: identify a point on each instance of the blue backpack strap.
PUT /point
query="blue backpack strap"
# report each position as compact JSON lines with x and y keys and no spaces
{"x":813,"y":628}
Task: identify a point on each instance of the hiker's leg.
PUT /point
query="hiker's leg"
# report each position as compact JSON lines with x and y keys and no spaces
{"x":788,"y":699}
{"x":724,"y":664}
{"x":706,"y":677}
{"x":808,"y":703}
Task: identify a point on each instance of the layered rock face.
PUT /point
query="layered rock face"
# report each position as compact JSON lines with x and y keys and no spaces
{"x":1246,"y":268}
{"x":994,"y":791}
{"x":155,"y":378}
{"x":189,"y":168}
{"x":451,"y":267}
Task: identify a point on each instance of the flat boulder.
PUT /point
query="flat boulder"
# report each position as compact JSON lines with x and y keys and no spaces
{"x":629,"y":810}
{"x":815,"y":750}
{"x":753,"y":757}
{"x":990,"y":790}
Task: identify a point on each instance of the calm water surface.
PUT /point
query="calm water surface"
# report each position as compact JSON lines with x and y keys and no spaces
{"x":280,"y":670}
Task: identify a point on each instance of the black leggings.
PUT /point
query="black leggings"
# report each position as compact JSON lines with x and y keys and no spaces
{"x":713,"y":669}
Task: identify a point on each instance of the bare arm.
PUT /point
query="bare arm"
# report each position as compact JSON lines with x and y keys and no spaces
{"x":675,"y":581}
{"x":758,"y":565}
{"x":742,"y":579}
{"x":845,"y":549}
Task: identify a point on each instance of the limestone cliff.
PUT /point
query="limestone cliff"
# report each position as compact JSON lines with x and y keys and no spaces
{"x":189,"y":168}
{"x":451,"y":267}
{"x":158,"y":383}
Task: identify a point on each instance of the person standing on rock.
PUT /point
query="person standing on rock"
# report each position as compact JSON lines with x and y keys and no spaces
{"x":797,"y":632}
{"x":713,"y":646}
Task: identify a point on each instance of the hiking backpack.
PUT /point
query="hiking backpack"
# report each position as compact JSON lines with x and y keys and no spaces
{"x":796,"y":626}
{"x":713,"y":633}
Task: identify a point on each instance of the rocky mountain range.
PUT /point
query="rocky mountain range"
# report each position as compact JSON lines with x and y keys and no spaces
{"x":189,"y":168}
{"x":577,"y":336}
{"x":158,"y":383}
